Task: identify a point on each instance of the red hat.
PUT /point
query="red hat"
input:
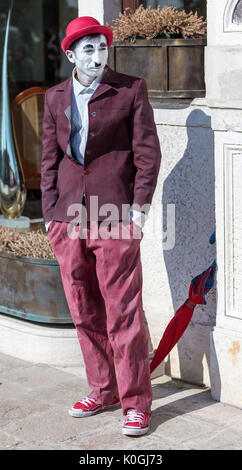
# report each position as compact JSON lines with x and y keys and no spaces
{"x":83,"y":26}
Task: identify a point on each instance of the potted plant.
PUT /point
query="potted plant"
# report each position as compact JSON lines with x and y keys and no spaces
{"x":164,"y":46}
{"x":31,"y":286}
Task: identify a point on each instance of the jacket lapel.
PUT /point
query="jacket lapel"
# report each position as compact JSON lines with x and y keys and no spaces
{"x":64,"y":95}
{"x":64,"y":91}
{"x":108,"y":81}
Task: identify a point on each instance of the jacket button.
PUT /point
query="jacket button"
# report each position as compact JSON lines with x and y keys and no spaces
{"x":89,"y":152}
{"x":92,"y":133}
{"x":93,"y":113}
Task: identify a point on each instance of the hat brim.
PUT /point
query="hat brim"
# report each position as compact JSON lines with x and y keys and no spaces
{"x":65,"y":44}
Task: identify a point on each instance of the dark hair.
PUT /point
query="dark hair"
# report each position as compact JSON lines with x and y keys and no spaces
{"x":74,"y":43}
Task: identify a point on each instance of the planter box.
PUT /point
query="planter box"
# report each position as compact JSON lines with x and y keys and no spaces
{"x":171,"y":67}
{"x":31,"y":288}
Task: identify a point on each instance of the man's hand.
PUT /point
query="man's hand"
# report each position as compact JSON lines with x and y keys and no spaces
{"x":47,"y":224}
{"x":138,"y":218}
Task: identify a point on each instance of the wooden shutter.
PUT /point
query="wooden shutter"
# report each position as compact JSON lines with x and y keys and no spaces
{"x":133,"y":4}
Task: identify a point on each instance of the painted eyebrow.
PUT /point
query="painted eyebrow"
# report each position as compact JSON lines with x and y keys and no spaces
{"x":90,"y":46}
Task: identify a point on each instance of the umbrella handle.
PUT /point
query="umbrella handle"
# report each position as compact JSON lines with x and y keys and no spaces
{"x":190,"y":304}
{"x":212,"y":239}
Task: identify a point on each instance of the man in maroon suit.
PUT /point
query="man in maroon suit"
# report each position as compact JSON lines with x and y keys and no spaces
{"x":101,"y":155}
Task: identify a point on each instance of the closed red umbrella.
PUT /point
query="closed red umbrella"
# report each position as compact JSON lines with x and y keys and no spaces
{"x":199,"y":287}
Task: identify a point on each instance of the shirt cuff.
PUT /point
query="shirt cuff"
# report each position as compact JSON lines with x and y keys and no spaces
{"x":138,"y":218}
{"x":47,"y":224}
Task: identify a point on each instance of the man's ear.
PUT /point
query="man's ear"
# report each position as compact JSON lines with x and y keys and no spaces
{"x":70,"y":56}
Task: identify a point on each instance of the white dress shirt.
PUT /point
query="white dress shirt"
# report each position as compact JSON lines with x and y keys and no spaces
{"x":79,"y":114}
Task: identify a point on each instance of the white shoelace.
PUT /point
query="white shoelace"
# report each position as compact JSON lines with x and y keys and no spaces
{"x":134,"y":416}
{"x":88,"y":401}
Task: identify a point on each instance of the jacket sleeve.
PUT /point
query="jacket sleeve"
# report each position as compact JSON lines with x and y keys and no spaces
{"x":146,"y":147}
{"x":51,"y":157}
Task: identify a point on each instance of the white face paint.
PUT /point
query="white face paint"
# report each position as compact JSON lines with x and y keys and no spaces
{"x":90,"y":56}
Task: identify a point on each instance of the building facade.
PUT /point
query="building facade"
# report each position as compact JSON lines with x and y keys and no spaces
{"x":200,"y":173}
{"x":198,"y":188}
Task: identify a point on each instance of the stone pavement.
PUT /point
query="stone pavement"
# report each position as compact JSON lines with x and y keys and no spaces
{"x":35,"y":398}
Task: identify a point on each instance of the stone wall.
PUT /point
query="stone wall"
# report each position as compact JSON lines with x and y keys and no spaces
{"x":224,"y":97}
{"x":186,"y":180}
{"x":201,"y":173}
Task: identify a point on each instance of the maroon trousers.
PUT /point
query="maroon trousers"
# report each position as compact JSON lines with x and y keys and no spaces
{"x":102,"y":280}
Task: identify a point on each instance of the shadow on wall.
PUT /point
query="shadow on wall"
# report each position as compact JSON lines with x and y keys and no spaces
{"x":191,"y":187}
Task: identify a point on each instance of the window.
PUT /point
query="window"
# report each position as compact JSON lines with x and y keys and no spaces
{"x":187,"y":5}
{"x":36,"y":30}
{"x":35,"y":59}
{"x":133,"y":4}
{"x":237,"y":15}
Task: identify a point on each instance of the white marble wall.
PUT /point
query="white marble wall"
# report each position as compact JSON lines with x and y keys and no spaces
{"x":186,"y":180}
{"x":223,"y":53}
{"x":93,"y":8}
{"x":201,"y":173}
{"x":224,"y":97}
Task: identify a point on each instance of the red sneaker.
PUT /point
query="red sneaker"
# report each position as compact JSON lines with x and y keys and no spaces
{"x":136,"y":423}
{"x":88,"y":407}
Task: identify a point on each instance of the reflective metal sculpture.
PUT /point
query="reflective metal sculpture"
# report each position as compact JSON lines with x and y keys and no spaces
{"x":12,"y":185}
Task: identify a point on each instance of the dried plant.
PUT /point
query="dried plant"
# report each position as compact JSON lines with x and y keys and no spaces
{"x":149,"y":23}
{"x":34,"y":244}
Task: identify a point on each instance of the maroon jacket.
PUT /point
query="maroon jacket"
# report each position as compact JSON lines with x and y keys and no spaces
{"x":122,"y":156}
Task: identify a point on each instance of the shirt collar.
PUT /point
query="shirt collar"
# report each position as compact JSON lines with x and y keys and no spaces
{"x":79,"y":88}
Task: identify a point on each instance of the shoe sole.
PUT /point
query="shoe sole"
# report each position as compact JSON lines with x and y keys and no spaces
{"x":77,"y":414}
{"x":135,"y":432}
